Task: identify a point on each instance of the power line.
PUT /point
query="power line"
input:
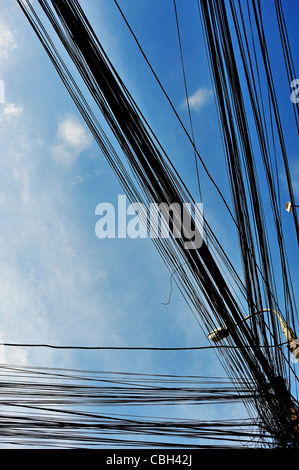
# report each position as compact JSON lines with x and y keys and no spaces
{"x":132,"y":348}
{"x":247,"y":354}
{"x":187,"y":94}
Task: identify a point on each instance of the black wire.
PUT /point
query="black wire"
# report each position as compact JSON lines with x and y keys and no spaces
{"x":187,"y":94}
{"x":61,"y":408}
{"x":201,"y":279}
{"x":131,"y":348}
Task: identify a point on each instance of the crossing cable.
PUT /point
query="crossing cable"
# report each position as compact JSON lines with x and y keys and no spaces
{"x":131,"y":348}
{"x":216,"y":275}
{"x":205,"y":277}
{"x":187,"y":95}
{"x":188,"y":136}
{"x":176,"y":113}
{"x":265,"y":54}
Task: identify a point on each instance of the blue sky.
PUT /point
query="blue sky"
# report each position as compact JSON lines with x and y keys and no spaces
{"x":59,"y":283}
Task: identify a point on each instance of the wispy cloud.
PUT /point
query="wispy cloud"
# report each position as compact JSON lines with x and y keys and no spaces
{"x":199,"y":99}
{"x":10,"y":111}
{"x":45,"y":267}
{"x":7,"y":40}
{"x":87,"y":177}
{"x":72,"y":138}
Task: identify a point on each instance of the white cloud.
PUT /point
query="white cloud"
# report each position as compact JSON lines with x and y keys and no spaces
{"x":45,"y":266}
{"x":7,"y":40}
{"x":73,"y":133}
{"x":199,"y":99}
{"x":46,"y":278}
{"x":11,"y":111}
{"x":82,"y":179}
{"x":72,"y":139}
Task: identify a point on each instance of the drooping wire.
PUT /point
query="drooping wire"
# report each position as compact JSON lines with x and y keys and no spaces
{"x":287,"y":52}
{"x":187,"y":95}
{"x":77,"y":408}
{"x":201,"y":279}
{"x":186,"y":132}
